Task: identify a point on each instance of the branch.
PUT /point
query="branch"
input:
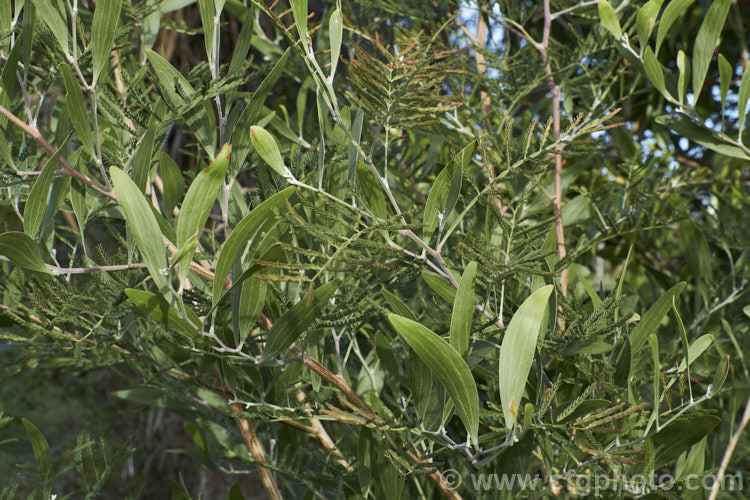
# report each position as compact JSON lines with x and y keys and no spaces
{"x":728,"y":452}
{"x":67,"y":169}
{"x":256,"y":450}
{"x":555,"y":91}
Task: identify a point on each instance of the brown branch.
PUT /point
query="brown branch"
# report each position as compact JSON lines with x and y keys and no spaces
{"x":256,"y":450}
{"x":555,"y":91}
{"x":67,"y":169}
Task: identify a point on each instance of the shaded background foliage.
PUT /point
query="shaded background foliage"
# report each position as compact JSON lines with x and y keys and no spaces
{"x":680,"y":206}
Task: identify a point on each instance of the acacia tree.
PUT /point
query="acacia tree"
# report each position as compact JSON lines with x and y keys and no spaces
{"x":376,"y":249}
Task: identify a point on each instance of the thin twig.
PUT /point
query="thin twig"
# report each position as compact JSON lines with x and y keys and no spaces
{"x":67,"y":168}
{"x":728,"y":452}
{"x":555,"y":92}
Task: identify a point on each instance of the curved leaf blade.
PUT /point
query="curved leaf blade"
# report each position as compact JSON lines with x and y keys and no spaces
{"x":447,"y":365}
{"x":517,"y":351}
{"x":287,"y":329}
{"x":653,"y":317}
{"x":241,"y":234}
{"x":158,"y":308}
{"x":463,"y":310}
{"x":143,"y":225}
{"x":22,"y":251}
{"x":199,"y":199}
{"x":103,"y":27}
{"x":705,"y":42}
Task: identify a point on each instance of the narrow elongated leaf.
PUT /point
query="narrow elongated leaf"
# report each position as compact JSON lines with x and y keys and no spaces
{"x":36,"y":204}
{"x":436,"y":200}
{"x":170,"y":78}
{"x":287,"y":329}
{"x":702,"y":135}
{"x":646,"y":19}
{"x":52,"y":13}
{"x":674,"y":10}
{"x":651,"y":320}
{"x":158,"y":308}
{"x":683,"y":64}
{"x":722,"y":370}
{"x":240,"y":136}
{"x":654,"y":71}
{"x":242,"y":47}
{"x":517,"y":351}
{"x":372,"y":192}
{"x":335,"y":34}
{"x":42,"y":453}
{"x":398,"y":306}
{"x":440,"y":287}
{"x":705,"y":42}
{"x":143,"y":224}
{"x":22,"y":251}
{"x":174,"y":183}
{"x":609,"y":19}
{"x":242,"y":234}
{"x":743,"y":100}
{"x":103,"y":27}
{"x":76,"y":109}
{"x":654,"y":342}
{"x":266,"y":147}
{"x":725,"y":78}
{"x":463,"y":310}
{"x":199,"y":199}
{"x":697,"y":348}
{"x":447,"y":365}
{"x":140,"y":162}
{"x":206,"y":9}
{"x":678,"y":436}
{"x":299,"y":11}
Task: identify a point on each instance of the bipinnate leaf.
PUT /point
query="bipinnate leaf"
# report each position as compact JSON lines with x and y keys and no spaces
{"x":651,"y":320}
{"x":158,"y":308}
{"x":447,"y":365}
{"x":266,"y":147}
{"x":142,"y":224}
{"x":199,"y":199}
{"x":103,"y":28}
{"x":22,"y":251}
{"x":463,"y":310}
{"x":287,"y":329}
{"x":706,"y":40}
{"x":242,"y":234}
{"x":517,"y":351}
{"x":609,"y":19}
